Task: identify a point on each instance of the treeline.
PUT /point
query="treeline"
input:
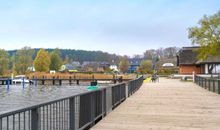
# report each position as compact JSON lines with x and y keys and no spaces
{"x":78,"y":55}
{"x":22,"y":61}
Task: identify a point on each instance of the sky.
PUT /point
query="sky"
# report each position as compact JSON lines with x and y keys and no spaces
{"x":124,"y":27}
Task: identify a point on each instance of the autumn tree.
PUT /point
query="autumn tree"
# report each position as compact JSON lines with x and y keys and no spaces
{"x":207,"y":35}
{"x":42,"y":61}
{"x":124,"y":64}
{"x":23,"y":59}
{"x":145,"y":66}
{"x":4,"y":60}
{"x":55,"y":59}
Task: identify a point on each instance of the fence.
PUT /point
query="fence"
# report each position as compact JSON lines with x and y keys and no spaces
{"x":134,"y":85}
{"x":77,"y":112}
{"x":210,"y":84}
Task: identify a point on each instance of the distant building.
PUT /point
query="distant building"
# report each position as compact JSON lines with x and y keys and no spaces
{"x":76,"y":63}
{"x":92,"y":66}
{"x":188,"y":62}
{"x":114,"y":68}
{"x":68,"y":68}
{"x":31,"y":69}
{"x":134,"y":64}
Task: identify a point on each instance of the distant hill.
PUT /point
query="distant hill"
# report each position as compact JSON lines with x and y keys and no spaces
{"x":80,"y":55}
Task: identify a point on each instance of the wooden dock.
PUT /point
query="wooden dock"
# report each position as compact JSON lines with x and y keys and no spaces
{"x":167,"y":105}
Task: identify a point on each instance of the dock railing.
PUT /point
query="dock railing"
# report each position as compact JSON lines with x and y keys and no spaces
{"x":211,"y":84}
{"x":77,"y":112}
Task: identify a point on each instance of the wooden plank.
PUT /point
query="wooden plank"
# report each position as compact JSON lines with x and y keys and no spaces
{"x":169,"y":104}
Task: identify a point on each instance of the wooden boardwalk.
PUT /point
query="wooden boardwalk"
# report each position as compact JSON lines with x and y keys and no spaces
{"x":167,"y":105}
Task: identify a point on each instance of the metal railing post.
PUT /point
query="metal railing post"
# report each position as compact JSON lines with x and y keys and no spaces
{"x":34,"y":119}
{"x":218,"y":86}
{"x":213,"y":85}
{"x":209,"y":82}
{"x":72,"y":113}
{"x":93,"y":108}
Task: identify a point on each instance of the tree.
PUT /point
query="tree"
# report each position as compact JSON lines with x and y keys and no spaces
{"x":42,"y":61}
{"x":124,"y":64}
{"x":207,"y":35}
{"x":146,"y":66}
{"x":4,"y":61}
{"x":148,"y":54}
{"x":170,"y":52}
{"x":55,"y":59}
{"x":23,"y":59}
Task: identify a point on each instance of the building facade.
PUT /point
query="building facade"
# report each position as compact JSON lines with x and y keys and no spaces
{"x":188,"y":62}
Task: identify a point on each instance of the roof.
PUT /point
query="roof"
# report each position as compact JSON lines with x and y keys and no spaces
{"x":135,"y":62}
{"x":188,"y":56}
{"x":210,"y":59}
{"x":69,"y":67}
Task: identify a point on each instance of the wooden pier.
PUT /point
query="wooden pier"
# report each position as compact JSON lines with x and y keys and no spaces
{"x":167,"y":105}
{"x":5,"y":81}
{"x":60,"y":81}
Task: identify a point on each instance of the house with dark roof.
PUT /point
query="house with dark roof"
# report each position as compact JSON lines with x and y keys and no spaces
{"x":93,"y":66}
{"x":134,"y":64}
{"x":68,"y":68}
{"x":188,"y":62}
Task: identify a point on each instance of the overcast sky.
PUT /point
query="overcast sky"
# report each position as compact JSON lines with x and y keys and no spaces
{"x":115,"y":26}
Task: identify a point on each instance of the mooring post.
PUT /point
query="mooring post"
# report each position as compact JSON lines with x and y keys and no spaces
{"x":70,"y":80}
{"x":53,"y":81}
{"x":8,"y":83}
{"x":23,"y":82}
{"x":60,"y":82}
{"x":35,"y":81}
{"x":77,"y":81}
{"x":43,"y":81}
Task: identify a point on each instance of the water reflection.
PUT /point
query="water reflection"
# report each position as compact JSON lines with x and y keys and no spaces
{"x":17,"y":96}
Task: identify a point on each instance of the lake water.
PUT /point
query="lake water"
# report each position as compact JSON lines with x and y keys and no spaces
{"x":17,"y":96}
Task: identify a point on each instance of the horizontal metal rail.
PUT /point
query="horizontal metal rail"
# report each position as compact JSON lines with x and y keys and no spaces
{"x":210,"y":84}
{"x":80,"y":111}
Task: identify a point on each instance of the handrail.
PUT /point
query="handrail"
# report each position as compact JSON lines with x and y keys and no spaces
{"x":54,"y":113}
{"x":210,"y":84}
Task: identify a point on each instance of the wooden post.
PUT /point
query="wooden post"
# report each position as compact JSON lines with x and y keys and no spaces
{"x":77,"y":81}
{"x":60,"y":82}
{"x":43,"y":81}
{"x":53,"y":81}
{"x":70,"y":80}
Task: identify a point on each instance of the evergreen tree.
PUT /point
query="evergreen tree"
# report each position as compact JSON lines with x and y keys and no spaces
{"x":42,"y":61}
{"x":4,"y":61}
{"x":55,"y":59}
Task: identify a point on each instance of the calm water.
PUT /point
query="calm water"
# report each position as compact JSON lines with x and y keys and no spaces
{"x":17,"y":97}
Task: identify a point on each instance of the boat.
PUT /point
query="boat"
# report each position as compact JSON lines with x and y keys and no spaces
{"x":20,"y":79}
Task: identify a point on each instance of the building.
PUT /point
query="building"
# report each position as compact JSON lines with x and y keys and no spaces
{"x":134,"y":64}
{"x":93,"y":66}
{"x":188,"y":62}
{"x":68,"y":68}
{"x":114,"y":68}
